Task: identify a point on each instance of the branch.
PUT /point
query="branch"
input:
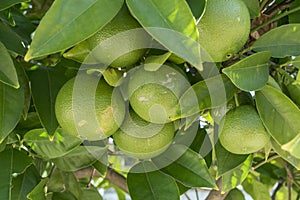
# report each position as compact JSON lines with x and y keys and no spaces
{"x":116,"y":179}
{"x":111,"y":175}
{"x":217,"y":195}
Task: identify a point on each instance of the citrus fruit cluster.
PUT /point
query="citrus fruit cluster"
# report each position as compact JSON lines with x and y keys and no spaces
{"x":92,"y":109}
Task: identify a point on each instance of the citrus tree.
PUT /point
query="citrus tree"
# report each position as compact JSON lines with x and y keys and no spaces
{"x":156,"y":99}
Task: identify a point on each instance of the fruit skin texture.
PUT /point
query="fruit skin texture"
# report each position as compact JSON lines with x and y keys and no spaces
{"x":224,"y":28}
{"x":243,"y":131}
{"x":110,"y":110}
{"x":154,"y":95}
{"x":123,"y":21}
{"x":141,"y":139}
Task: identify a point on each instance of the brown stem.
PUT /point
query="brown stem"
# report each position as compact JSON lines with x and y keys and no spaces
{"x":217,"y":195}
{"x":111,"y":175}
{"x":116,"y":179}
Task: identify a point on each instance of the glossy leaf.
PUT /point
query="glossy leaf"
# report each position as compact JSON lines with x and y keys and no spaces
{"x":278,"y":113}
{"x":23,"y":184}
{"x":285,"y":155}
{"x":45,"y":85}
{"x":70,"y":17}
{"x":172,"y":24}
{"x":4,"y":4}
{"x":11,"y":106}
{"x":11,"y":40}
{"x":206,"y":94}
{"x":8,"y":74}
{"x":24,"y":82}
{"x":100,"y":167}
{"x":236,"y":176}
{"x":12,"y":162}
{"x":113,"y":76}
{"x":154,"y":62}
{"x":49,"y":148}
{"x":253,"y":7}
{"x":197,"y":7}
{"x":251,"y":73}
{"x":61,"y":182}
{"x":153,"y":183}
{"x":256,"y":189}
{"x":282,"y":41}
{"x":227,"y":161}
{"x":186,"y":166}
{"x":294,"y":91}
{"x":79,"y":158}
{"x":38,"y":192}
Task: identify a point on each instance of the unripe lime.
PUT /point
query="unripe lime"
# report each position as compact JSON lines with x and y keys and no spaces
{"x":141,"y":139}
{"x":154,"y":95}
{"x":224,"y":28}
{"x":243,"y":131}
{"x":74,"y":108}
{"x":122,"y":22}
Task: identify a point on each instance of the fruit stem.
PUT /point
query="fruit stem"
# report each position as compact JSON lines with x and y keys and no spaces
{"x":236,"y":100}
{"x":275,"y":19}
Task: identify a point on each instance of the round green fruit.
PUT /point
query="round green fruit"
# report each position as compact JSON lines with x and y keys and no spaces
{"x":154,"y":95}
{"x":91,"y":113}
{"x":114,"y":40}
{"x":143,"y":140}
{"x":224,"y":28}
{"x":243,"y":131}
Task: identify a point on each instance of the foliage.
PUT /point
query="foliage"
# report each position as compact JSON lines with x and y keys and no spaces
{"x":40,"y":160}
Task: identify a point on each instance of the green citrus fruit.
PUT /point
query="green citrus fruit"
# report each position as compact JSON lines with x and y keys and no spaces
{"x":91,"y":113}
{"x":243,"y":131}
{"x":154,"y":95}
{"x":141,"y":139}
{"x":224,"y":28}
{"x":109,"y":52}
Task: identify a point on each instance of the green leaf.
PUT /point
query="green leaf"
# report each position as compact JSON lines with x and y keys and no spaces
{"x":285,"y":155}
{"x":100,"y":167}
{"x":11,"y":40}
{"x":59,"y":145}
{"x":79,"y":158}
{"x":294,"y":91}
{"x":153,"y":183}
{"x":38,"y":192}
{"x":24,"y":83}
{"x":64,"y":182}
{"x":278,"y":113}
{"x":236,"y":176}
{"x":282,"y":41}
{"x":172,"y":24}
{"x":294,"y":17}
{"x":227,"y":161}
{"x":91,"y":193}
{"x":256,"y":189}
{"x":186,"y":166}
{"x":45,"y":85}
{"x":253,"y":7}
{"x":154,"y":62}
{"x":11,"y":106}
{"x":197,"y":7}
{"x":4,"y":4}
{"x":12,"y":162}
{"x":24,"y":183}
{"x":206,"y":94}
{"x":235,"y":194}
{"x":251,"y":73}
{"x":8,"y":74}
{"x":293,"y":146}
{"x":67,"y":18}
